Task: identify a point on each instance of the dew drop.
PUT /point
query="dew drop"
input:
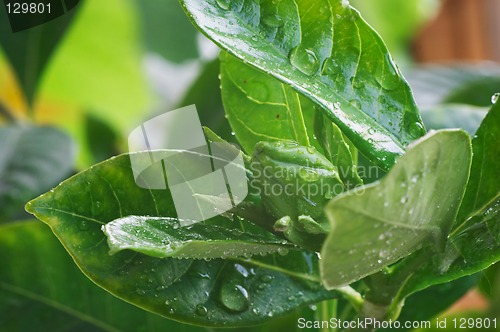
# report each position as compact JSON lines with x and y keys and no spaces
{"x":371,"y":131}
{"x":356,"y":103}
{"x":416,"y":129}
{"x":304,"y":60}
{"x":283,"y":251}
{"x":224,"y":4}
{"x":256,"y":311}
{"x":495,"y":98}
{"x":266,"y":278}
{"x":201,"y":310}
{"x":308,"y":175}
{"x":234,"y":297}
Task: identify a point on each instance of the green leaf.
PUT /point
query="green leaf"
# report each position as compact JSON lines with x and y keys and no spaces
{"x":434,"y":300}
{"x":218,"y":292}
{"x":482,"y":190}
{"x":163,"y":237}
{"x":325,"y":51}
{"x":29,"y":51}
{"x":261,"y":108}
{"x":338,"y":149}
{"x":41,"y":288}
{"x":416,"y":202}
{"x":474,"y":243}
{"x":32,"y":160}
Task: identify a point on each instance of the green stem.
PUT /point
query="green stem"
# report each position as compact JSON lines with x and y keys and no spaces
{"x":327,"y":310}
{"x":351,"y":295}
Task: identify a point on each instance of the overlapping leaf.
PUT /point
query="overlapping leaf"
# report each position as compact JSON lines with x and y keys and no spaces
{"x":261,"y":108}
{"x":325,"y":51}
{"x":416,"y":202}
{"x":163,"y":237}
{"x":214,"y":293}
{"x":474,"y":243}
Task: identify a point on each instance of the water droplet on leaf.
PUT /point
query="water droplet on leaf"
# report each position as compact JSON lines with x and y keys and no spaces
{"x":495,"y":98}
{"x":416,"y":129}
{"x":234,"y":297}
{"x":201,"y":310}
{"x":304,"y":60}
{"x":224,"y":4}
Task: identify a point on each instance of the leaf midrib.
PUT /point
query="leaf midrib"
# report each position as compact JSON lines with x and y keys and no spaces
{"x":298,"y":87}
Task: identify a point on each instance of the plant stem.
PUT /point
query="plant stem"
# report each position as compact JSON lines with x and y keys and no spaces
{"x":351,"y":295}
{"x":327,"y":310}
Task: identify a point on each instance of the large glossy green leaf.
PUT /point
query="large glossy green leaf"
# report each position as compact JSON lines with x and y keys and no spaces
{"x":474,"y":243}
{"x":163,"y":237}
{"x":261,"y":108}
{"x":415,"y":203}
{"x":325,"y":51}
{"x":32,"y":160}
{"x":29,"y":50}
{"x":216,"y":292}
{"x":42,"y":289}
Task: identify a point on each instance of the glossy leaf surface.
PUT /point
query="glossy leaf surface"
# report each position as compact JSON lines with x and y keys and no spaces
{"x":416,"y":202}
{"x":214,"y":293}
{"x":261,"y":108}
{"x":163,"y":237}
{"x":325,"y":51}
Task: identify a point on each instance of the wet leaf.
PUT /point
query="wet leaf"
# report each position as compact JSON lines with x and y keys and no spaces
{"x":182,"y":289}
{"x":164,"y":237}
{"x":326,"y":52}
{"x":415,"y":203}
